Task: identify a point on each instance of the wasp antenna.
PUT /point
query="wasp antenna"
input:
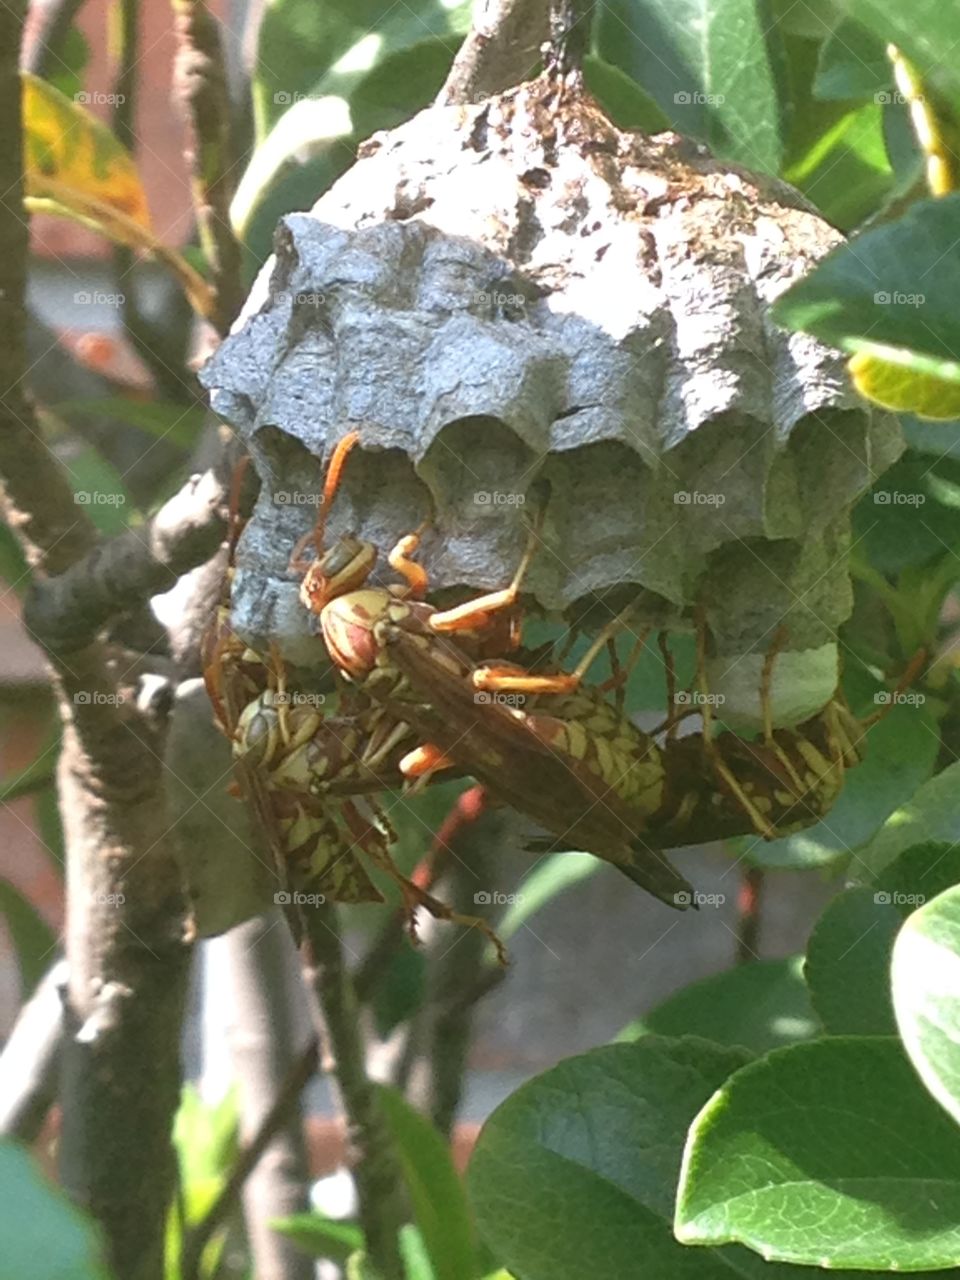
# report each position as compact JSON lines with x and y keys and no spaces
{"x":331,"y":483}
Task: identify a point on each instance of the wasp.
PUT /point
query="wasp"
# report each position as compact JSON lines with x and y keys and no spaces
{"x":305,"y":774}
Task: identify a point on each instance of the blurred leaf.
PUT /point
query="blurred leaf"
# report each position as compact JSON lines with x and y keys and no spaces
{"x":904,"y":521}
{"x":710,"y":65}
{"x":622,"y":98}
{"x":38,"y":774}
{"x":413,"y":1252}
{"x":321,"y":1237}
{"x":98,"y":487}
{"x":556,"y":873}
{"x":359,"y":1267}
{"x":42,"y":1236}
{"x":860,"y":1170}
{"x":757,"y":1006}
{"x":573,"y":1176}
{"x":926,"y":995}
{"x":306,"y":50}
{"x":72,"y":158}
{"x":931,"y":815}
{"x":926,"y":30}
{"x":33,"y":939}
{"x":177,"y":423}
{"x":71,"y":61}
{"x":439,"y":1201}
{"x":399,"y":990}
{"x":890,"y":297}
{"x":900,"y":755}
{"x":205,"y":1135}
{"x":853,"y":63}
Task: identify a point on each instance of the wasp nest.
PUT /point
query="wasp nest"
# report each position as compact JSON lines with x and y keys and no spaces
{"x":522,"y":308}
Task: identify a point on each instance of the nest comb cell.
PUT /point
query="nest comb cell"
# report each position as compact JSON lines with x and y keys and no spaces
{"x":517,"y":304}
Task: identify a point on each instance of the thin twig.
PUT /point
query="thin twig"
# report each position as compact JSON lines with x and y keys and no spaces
{"x":287,"y":1099}
{"x":201,"y":85}
{"x":373,"y":1156}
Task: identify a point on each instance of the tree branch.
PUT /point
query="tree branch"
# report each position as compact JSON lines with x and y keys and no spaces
{"x":374,"y":1160}
{"x":502,"y":49}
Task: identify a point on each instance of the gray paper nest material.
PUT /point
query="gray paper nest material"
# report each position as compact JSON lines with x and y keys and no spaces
{"x":513,"y":301}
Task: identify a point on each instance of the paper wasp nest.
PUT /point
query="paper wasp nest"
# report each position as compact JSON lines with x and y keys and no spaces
{"x":517,"y":304}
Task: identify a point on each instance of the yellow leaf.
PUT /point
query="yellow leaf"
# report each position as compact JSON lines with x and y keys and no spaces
{"x":888,"y":382}
{"x":74,"y":160}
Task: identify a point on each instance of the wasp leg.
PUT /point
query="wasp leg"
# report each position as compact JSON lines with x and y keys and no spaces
{"x":494,"y":679}
{"x":423,"y":761}
{"x":413,"y":574}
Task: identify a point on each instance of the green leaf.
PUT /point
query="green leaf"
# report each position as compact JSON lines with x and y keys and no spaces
{"x":828,"y":1153}
{"x":33,"y":939}
{"x":926,"y":30}
{"x":895,"y":287}
{"x":205,"y":1135}
{"x":99,"y":490}
{"x":848,"y":955}
{"x":573,"y":1175}
{"x":901,"y":752}
{"x":710,"y":65}
{"x":321,"y":1237}
{"x":622,"y":99}
{"x":439,"y":1201}
{"x":853,"y":64}
{"x":759,"y":1006}
{"x":179,"y":424}
{"x":314,"y":50}
{"x":926,"y":995}
{"x":556,"y":873}
{"x":932,"y":814}
{"x":42,"y":1236}
{"x":848,"y":959}
{"x":413,"y":1252}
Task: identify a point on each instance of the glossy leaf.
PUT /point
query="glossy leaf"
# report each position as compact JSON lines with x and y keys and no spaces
{"x":926,"y":995}
{"x":710,"y":66}
{"x":758,"y":1006}
{"x":932,"y":814}
{"x":829,"y":1153}
{"x":927,"y":30}
{"x":574,"y":1174}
